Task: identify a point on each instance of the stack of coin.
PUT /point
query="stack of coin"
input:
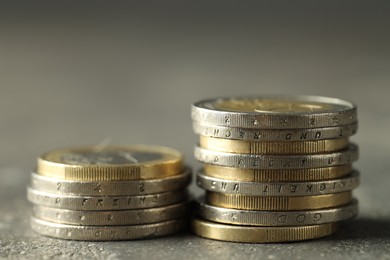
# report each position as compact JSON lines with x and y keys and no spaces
{"x":276,"y":168}
{"x":109,"y":193}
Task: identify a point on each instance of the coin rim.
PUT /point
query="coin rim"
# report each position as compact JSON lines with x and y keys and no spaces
{"x":250,"y":234}
{"x":269,"y":218}
{"x":257,"y":188}
{"x":280,"y":203}
{"x":147,"y":170}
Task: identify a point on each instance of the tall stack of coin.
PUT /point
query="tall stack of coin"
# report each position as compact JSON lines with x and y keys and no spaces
{"x":276,"y":168}
{"x":109,"y":193}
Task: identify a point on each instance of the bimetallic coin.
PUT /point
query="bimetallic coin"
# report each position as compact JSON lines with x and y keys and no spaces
{"x":278,"y":188}
{"x":110,"y":163}
{"x":250,"y":234}
{"x":111,"y":188}
{"x":252,"y":161}
{"x":107,"y":233}
{"x":275,"y":112}
{"x":275,"y":218}
{"x":271,"y":175}
{"x":75,"y":202}
{"x":111,"y":218}
{"x":272,"y":148}
{"x":235,"y":201}
{"x":285,"y":135}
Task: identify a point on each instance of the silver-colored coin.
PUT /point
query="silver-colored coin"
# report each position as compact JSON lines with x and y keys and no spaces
{"x":72,"y":202}
{"x":110,"y":188}
{"x":111,"y":218}
{"x":246,"y":134}
{"x":107,"y":233}
{"x":284,"y":189}
{"x":275,"y":218}
{"x":275,"y":112}
{"x":251,"y":161}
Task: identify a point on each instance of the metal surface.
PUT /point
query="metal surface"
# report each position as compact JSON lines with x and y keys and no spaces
{"x":110,"y":218}
{"x":241,"y":112}
{"x":294,"y":135}
{"x":235,"y":201}
{"x":273,"y":148}
{"x":77,"y":73}
{"x":270,"y":175}
{"x":110,"y":188}
{"x":75,"y":202}
{"x":110,"y":163}
{"x":251,"y":234}
{"x":275,"y":218}
{"x":108,"y":233}
{"x":252,"y":161}
{"x":278,"y":188}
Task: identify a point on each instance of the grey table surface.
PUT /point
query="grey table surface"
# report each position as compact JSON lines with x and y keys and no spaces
{"x":81,"y":73}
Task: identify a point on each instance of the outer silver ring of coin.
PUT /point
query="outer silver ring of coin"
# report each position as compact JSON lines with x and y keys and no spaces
{"x":73,"y":202}
{"x":111,"y":218}
{"x":255,"y":135}
{"x":343,"y":113}
{"x":284,"y":189}
{"x":107,"y":233}
{"x":275,"y":218}
{"x":252,"y":161}
{"x":111,"y":188}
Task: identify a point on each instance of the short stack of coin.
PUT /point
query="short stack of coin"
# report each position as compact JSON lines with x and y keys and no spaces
{"x":276,"y":168}
{"x":109,"y":193}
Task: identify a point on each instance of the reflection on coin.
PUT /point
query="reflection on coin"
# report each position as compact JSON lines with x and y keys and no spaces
{"x":107,"y":233}
{"x":278,"y":188}
{"x":76,"y":202}
{"x":275,"y":218}
{"x":111,"y":218}
{"x":235,"y":201}
{"x":95,"y":163}
{"x":275,"y":112}
{"x":251,"y":234}
{"x":111,"y":188}
{"x":271,"y":175}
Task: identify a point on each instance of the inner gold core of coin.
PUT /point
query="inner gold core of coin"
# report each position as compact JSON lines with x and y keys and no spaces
{"x":272,"y":106}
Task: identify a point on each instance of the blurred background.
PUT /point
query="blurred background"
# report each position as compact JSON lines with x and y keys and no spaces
{"x":80,"y":72}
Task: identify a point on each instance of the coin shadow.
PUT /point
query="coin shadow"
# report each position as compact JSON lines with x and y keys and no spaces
{"x":363,"y":228}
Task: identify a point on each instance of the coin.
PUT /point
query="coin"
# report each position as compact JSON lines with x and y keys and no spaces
{"x":76,"y":202}
{"x":271,"y":175}
{"x":111,"y":218}
{"x":251,"y":234}
{"x":107,"y":233}
{"x":272,"y":148}
{"x":277,"y":161}
{"x":236,"y":201}
{"x":111,"y":188}
{"x":275,"y":218}
{"x":286,"y":135}
{"x":110,"y":163}
{"x":275,"y":112}
{"x":278,"y":188}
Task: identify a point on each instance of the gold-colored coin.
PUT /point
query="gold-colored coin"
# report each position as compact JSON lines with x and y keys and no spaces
{"x":111,"y":163}
{"x":250,"y":234}
{"x":272,"y":147}
{"x":288,"y":175}
{"x":278,"y":203}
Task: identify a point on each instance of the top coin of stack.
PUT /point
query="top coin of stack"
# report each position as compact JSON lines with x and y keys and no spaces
{"x":279,"y":164}
{"x":109,"y":193}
